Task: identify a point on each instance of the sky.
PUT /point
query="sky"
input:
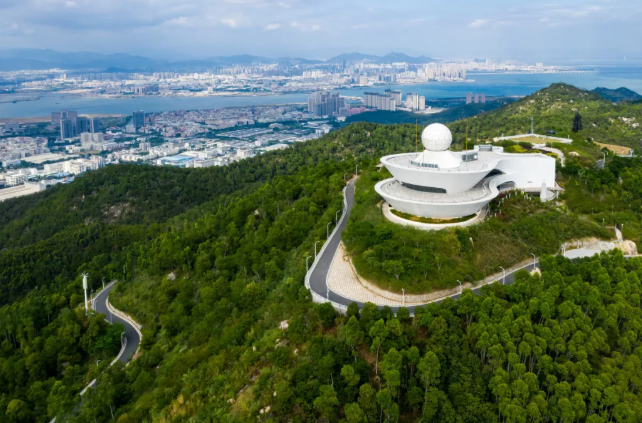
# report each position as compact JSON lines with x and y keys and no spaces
{"x":565,"y":30}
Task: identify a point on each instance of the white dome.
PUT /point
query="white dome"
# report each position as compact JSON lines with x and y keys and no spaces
{"x":436,"y":137}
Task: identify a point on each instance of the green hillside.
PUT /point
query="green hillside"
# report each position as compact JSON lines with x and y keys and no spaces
{"x":563,"y":347}
{"x":618,"y":94}
{"x":554,"y":108}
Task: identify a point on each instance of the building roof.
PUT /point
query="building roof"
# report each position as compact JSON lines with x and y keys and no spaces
{"x":485,"y":160}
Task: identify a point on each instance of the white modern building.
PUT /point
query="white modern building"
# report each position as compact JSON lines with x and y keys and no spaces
{"x":439,"y":183}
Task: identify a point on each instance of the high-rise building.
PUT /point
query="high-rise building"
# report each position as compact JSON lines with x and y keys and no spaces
{"x":138,"y":119}
{"x":395,"y":95}
{"x":55,"y":118}
{"x":381,"y":101}
{"x":325,"y":104}
{"x":94,"y":125}
{"x":476,"y":98}
{"x":63,"y":114}
{"x":483,"y":98}
{"x":66,"y":129}
{"x":312,"y":104}
{"x":469,"y":98}
{"x":415,"y":102}
{"x":82,"y":125}
{"x":72,"y":115}
{"x":146,"y":89}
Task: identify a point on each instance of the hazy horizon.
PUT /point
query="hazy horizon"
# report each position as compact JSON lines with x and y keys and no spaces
{"x":183,"y":29}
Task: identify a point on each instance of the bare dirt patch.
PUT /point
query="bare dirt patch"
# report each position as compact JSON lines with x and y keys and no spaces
{"x":617,"y":149}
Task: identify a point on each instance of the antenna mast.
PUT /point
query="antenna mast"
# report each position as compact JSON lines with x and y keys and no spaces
{"x":466,"y":138}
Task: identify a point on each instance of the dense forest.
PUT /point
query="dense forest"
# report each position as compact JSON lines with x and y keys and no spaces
{"x":233,"y":335}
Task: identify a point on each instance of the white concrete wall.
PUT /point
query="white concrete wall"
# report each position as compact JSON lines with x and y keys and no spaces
{"x":435,"y":210}
{"x":528,"y":171}
{"x":452,"y":180}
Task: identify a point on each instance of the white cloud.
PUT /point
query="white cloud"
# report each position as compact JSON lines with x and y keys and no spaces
{"x":544,"y":20}
{"x":231,"y":22}
{"x":478,"y":23}
{"x":305,"y":27}
{"x":183,"y":20}
{"x":272,"y":27}
{"x":70,"y":4}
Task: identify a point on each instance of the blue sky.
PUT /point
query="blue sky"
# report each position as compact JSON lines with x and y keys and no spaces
{"x":528,"y":30}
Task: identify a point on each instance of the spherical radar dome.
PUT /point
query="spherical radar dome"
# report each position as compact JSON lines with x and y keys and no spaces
{"x":436,"y":137}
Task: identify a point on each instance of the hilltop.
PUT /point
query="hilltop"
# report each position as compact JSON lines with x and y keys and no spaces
{"x":619,"y":94}
{"x":553,"y":109}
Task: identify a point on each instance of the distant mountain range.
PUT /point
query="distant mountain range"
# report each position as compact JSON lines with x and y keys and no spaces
{"x":40,"y":59}
{"x":619,"y":94}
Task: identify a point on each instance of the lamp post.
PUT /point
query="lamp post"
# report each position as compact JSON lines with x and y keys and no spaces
{"x":315,"y":249}
{"x":403,"y":292}
{"x":344,"y":176}
{"x":84,"y":287}
{"x":336,"y":216}
{"x":307,"y":269}
{"x":504,"y":277}
{"x":327,"y":230}
{"x":356,"y":169}
{"x":533,"y":260}
{"x":103,"y":283}
{"x":121,"y":339}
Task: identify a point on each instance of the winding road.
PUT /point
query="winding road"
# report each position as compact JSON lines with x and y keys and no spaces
{"x":316,"y":278}
{"x":132,"y":333}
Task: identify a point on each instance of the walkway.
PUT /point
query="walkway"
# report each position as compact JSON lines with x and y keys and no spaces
{"x":557,"y":151}
{"x":385,"y":209}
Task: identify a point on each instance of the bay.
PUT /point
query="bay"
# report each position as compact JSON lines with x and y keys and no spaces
{"x":496,"y":84}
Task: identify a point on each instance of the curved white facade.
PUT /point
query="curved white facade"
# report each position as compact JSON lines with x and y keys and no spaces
{"x":448,"y":184}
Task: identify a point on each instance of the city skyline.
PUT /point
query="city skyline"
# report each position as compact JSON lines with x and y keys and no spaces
{"x":198,"y":29}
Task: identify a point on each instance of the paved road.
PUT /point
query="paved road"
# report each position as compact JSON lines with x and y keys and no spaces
{"x":319,"y":274}
{"x":133,"y":339}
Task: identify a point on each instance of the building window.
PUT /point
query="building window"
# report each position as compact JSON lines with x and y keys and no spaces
{"x":430,"y":165}
{"x":424,"y":189}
